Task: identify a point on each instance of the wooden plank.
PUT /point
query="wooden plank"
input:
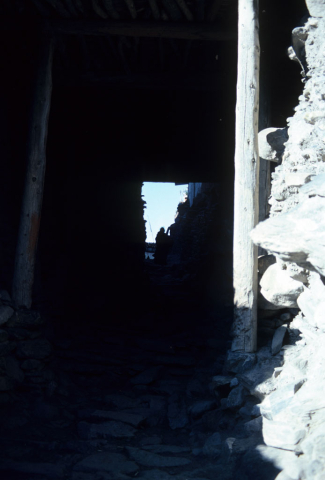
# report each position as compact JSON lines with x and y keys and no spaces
{"x":246,"y":179}
{"x":34,"y":182}
{"x":187,"y":31}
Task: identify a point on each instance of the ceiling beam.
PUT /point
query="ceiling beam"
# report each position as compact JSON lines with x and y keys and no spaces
{"x":159,"y":81}
{"x":187,"y":31}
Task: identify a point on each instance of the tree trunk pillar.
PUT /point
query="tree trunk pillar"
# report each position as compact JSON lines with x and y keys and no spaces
{"x":34,"y":181}
{"x":246,"y":204}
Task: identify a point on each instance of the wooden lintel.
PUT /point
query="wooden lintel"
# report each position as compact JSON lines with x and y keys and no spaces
{"x":187,"y":31}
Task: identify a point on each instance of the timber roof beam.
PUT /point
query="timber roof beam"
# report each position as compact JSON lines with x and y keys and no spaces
{"x":186,"y":31}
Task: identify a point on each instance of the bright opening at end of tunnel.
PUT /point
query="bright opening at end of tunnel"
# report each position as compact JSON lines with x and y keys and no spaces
{"x":161,"y":200}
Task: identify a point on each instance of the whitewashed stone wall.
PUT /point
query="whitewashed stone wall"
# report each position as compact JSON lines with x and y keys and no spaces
{"x":293,"y":396}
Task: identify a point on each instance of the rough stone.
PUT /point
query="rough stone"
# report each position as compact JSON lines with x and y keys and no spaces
{"x":49,"y":470}
{"x":316,"y":7}
{"x":279,"y":288}
{"x":271,"y":143}
{"x":236,"y":398}
{"x":194,"y":388}
{"x":282,"y":435}
{"x":6,"y":348}
{"x":259,"y":381}
{"x":26,"y":319}
{"x":297,"y":273}
{"x":146,"y":377}
{"x":5,"y":384}
{"x":283,"y":459}
{"x":122,"y":401}
{"x":107,"y":462}
{"x":177,"y":412}
{"x":13,"y":370}
{"x":213,"y":446}
{"x":283,"y":476}
{"x":278,"y":401}
{"x":167,"y":449}
{"x":45,"y":411}
{"x":200,"y":407}
{"x":315,"y":470}
{"x":149,"y":459}
{"x":3,"y":336}
{"x":234,"y":382}
{"x":126,"y":417}
{"x":264,"y":262}
{"x":38,"y":349}
{"x":312,"y":301}
{"x":105,"y":430}
{"x":296,"y":236}
{"x":156,"y":474}
{"x":6,"y":313}
{"x":277,"y":339}
{"x":297,"y":179}
{"x":254,"y":426}
{"x":238,"y":362}
{"x":221,"y":380}
{"x":285,"y":317}
{"x":315,"y":187}
{"x":266,"y":306}
{"x":250,"y":409}
{"x":31,"y":364}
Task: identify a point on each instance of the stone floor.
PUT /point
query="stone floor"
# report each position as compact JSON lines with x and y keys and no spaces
{"x":135,"y":400}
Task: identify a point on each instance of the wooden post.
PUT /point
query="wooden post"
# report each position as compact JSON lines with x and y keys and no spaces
{"x":246,"y":179}
{"x":34,"y":182}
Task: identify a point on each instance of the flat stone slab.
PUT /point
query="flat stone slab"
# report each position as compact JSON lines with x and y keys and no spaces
{"x":47,"y":469}
{"x":131,"y":418}
{"x":201,"y":406}
{"x":157,"y":475}
{"x":149,"y":459}
{"x":167,"y":449}
{"x":177,"y":412}
{"x":213,"y":445}
{"x":5,"y":313}
{"x":39,"y":349}
{"x":146,"y":377}
{"x":236,"y":397}
{"x":105,"y":430}
{"x":160,"y":475}
{"x":107,"y":462}
{"x":281,"y":435}
{"x":122,"y":401}
{"x":239,"y":362}
{"x":174,"y":360}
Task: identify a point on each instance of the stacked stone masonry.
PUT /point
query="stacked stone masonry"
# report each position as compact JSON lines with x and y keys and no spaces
{"x":289,"y":377}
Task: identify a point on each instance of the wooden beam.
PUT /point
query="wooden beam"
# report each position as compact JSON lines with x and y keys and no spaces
{"x":34,"y":182}
{"x":188,"y":30}
{"x":246,"y":179}
{"x":161,"y":81}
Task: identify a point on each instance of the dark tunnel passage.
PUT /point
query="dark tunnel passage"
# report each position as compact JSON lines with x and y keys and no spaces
{"x":92,"y":223}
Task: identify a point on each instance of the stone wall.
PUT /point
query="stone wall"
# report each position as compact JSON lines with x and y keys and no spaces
{"x":288,"y":376}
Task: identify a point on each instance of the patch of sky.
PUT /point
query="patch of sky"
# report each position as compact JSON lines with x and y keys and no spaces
{"x":162,"y":201}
